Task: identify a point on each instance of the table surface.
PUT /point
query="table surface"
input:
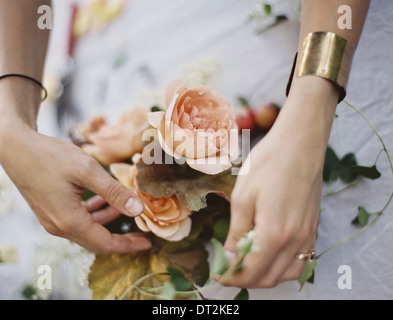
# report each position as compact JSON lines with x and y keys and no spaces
{"x":153,"y":41}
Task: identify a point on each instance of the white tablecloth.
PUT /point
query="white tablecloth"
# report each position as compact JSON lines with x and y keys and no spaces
{"x":154,"y":40}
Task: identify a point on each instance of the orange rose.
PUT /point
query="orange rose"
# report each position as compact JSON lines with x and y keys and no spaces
{"x":115,"y":143}
{"x":165,"y":216}
{"x":198,"y":125}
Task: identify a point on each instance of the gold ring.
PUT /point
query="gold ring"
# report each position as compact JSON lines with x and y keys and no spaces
{"x":308,"y":256}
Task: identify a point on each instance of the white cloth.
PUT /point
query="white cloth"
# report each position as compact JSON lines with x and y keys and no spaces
{"x":156,"y":39}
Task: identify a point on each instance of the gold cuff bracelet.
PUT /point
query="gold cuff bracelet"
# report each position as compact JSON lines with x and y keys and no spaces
{"x":326,"y":55}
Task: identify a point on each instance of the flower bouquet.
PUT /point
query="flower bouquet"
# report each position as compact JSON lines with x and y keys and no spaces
{"x":182,"y":162}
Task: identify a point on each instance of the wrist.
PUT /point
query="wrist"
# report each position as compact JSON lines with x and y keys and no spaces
{"x":307,"y":115}
{"x":19,"y":102}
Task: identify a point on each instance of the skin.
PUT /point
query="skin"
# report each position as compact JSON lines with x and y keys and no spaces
{"x":284,"y":210}
{"x":51,"y":174}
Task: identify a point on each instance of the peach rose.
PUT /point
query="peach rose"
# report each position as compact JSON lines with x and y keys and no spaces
{"x":198,"y":125}
{"x":115,"y":143}
{"x":165,"y":216}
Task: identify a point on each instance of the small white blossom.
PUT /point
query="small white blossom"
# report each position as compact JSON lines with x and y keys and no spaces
{"x":8,"y":254}
{"x":202,"y":72}
{"x":247,"y":244}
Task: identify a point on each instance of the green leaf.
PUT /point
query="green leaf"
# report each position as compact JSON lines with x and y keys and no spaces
{"x":334,"y":168}
{"x":156,"y":109}
{"x":221,"y":228}
{"x":191,"y":187}
{"x":362,"y":217}
{"x":242,"y":295}
{"x":243,"y":101}
{"x":267,"y":8}
{"x":220,"y":264}
{"x":29,"y":291}
{"x":332,"y":165}
{"x":307,"y":273}
{"x":347,"y":163}
{"x":178,"y":279}
{"x":366,"y":172}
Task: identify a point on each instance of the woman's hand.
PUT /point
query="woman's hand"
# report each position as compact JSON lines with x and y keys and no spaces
{"x":51,"y":174}
{"x":280,"y":195}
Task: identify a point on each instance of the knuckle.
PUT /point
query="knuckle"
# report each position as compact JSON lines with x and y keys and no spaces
{"x":86,"y":167}
{"x":269,"y":283}
{"x":277,"y":237}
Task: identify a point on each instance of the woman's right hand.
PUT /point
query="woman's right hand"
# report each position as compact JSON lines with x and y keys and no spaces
{"x":51,"y":174}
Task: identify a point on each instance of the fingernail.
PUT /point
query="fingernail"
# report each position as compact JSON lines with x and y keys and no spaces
{"x":134,"y":207}
{"x":231,"y":257}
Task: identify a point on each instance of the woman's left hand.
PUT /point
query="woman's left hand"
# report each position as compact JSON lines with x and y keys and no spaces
{"x":279,"y":196}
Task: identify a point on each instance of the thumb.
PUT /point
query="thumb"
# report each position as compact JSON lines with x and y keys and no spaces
{"x":117,"y":195}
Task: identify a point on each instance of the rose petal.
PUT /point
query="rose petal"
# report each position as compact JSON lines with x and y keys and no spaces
{"x":163,"y":231}
{"x":211,"y":165}
{"x":182,"y":232}
{"x":155,"y":118}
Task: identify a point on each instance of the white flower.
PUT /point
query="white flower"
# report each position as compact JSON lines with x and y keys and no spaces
{"x":247,"y":244}
{"x":8,"y":254}
{"x":202,"y":72}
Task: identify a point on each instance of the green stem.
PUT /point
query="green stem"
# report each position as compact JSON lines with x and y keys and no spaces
{"x":375,"y":132}
{"x":140,"y":281}
{"x":379,"y":213}
{"x":331,"y":193}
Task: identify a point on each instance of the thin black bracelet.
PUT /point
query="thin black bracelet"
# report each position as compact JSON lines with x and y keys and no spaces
{"x":28,"y":78}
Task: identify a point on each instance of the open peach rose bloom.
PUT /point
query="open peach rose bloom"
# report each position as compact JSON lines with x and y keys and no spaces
{"x":164,"y":216}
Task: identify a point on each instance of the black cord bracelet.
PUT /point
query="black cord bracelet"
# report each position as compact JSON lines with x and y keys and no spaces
{"x":28,"y":78}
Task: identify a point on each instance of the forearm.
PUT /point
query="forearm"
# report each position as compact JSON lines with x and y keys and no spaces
{"x":315,"y":98}
{"x":23,"y":51}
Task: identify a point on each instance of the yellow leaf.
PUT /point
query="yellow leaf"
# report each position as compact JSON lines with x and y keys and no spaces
{"x":111,"y":275}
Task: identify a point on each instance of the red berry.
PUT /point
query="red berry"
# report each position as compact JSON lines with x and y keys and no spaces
{"x":245,"y":119}
{"x":266,"y":115}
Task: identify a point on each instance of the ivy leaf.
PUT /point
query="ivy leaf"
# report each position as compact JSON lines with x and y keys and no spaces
{"x":362,"y":217}
{"x":308,"y":273}
{"x":348,"y":162}
{"x":220,"y":264}
{"x":366,"y":172}
{"x":242,"y":295}
{"x":178,"y":279}
{"x":191,"y":187}
{"x":332,"y":166}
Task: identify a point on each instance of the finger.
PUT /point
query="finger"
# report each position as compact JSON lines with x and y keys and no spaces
{"x":255,"y":264}
{"x":242,"y":214}
{"x":117,"y":195}
{"x":94,"y":203}
{"x":295,"y":269}
{"x":106,"y":215}
{"x":95,"y":237}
